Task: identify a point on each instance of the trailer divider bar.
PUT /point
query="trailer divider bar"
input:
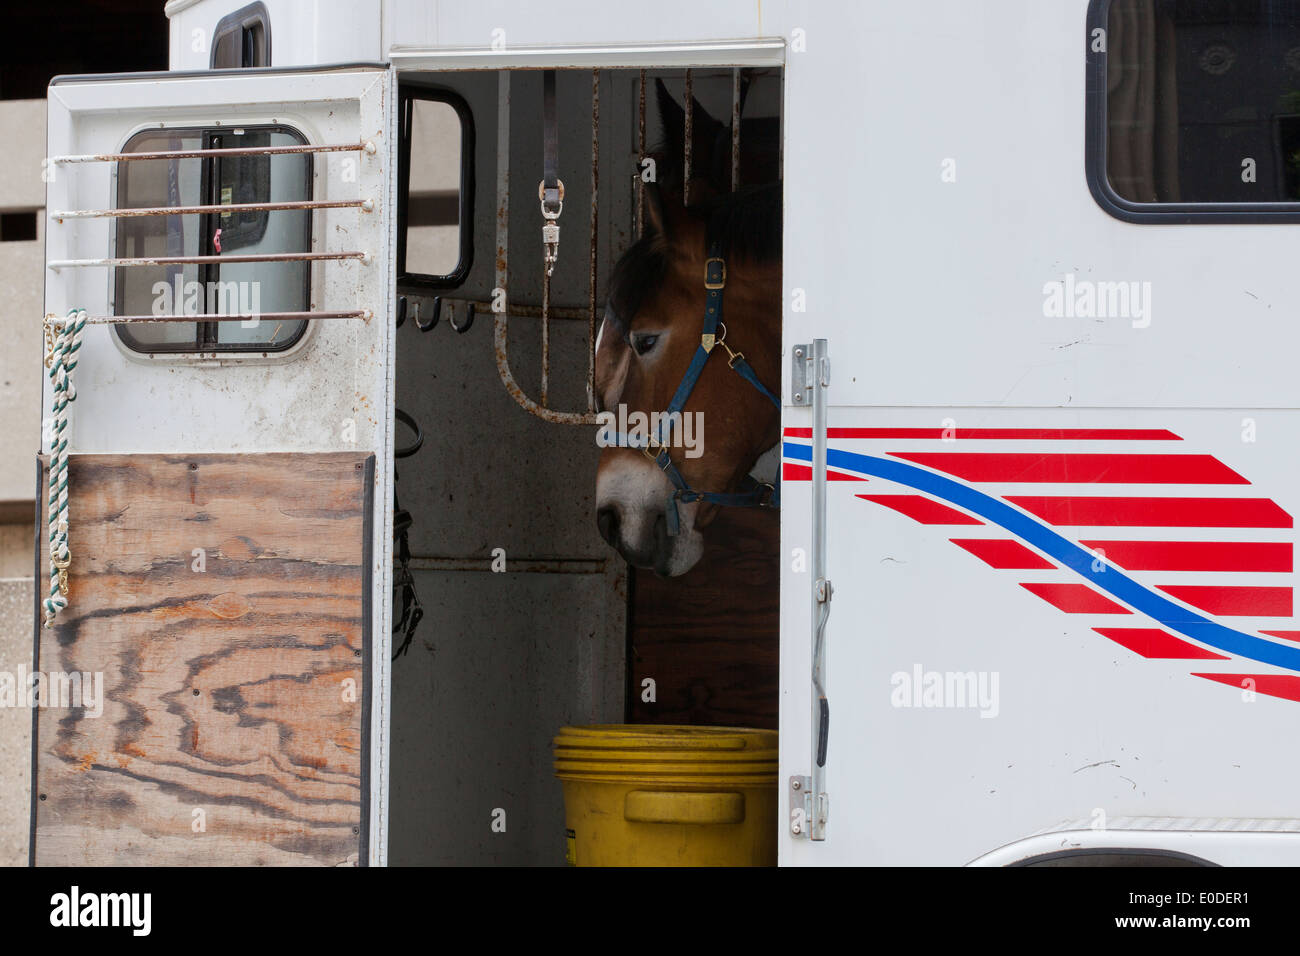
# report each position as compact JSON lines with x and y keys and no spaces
{"x":57,"y":264}
{"x":366,"y":205}
{"x":227,"y":317}
{"x":367,"y":147}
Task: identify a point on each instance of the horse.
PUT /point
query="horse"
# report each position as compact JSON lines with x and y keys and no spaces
{"x":654,"y":504}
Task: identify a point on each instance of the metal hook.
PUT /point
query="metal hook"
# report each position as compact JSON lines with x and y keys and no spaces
{"x":469,"y":319}
{"x":437,"y":311}
{"x":401,"y":312}
{"x":410,"y":422}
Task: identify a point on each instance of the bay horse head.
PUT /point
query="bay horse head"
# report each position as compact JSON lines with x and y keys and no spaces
{"x":655,"y":356}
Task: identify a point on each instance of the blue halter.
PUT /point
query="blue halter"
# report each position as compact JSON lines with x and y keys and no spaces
{"x":753,"y":493}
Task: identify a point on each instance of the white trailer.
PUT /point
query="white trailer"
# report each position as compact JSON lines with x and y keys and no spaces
{"x":1038,"y":417}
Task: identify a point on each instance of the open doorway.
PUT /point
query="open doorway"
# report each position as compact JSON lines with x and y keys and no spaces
{"x":531,"y":620}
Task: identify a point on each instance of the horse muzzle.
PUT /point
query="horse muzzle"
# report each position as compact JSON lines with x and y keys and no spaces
{"x":631,"y":516}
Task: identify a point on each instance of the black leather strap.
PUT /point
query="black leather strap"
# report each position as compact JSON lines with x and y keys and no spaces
{"x":403,"y":580}
{"x":550,"y":143}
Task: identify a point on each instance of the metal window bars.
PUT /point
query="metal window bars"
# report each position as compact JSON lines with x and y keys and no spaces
{"x":365,"y":205}
{"x":541,"y":407}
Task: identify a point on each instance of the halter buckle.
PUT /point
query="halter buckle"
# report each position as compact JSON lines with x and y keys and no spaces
{"x":715,"y":273}
{"x":651,"y":450}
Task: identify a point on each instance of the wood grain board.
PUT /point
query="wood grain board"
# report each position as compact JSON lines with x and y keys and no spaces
{"x":710,"y":639}
{"x":234,"y":722}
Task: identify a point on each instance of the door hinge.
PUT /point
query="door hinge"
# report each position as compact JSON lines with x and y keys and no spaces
{"x":805,"y":812}
{"x":800,"y":806}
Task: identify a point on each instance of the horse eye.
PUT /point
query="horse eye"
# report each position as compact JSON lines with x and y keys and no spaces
{"x":644,"y":343}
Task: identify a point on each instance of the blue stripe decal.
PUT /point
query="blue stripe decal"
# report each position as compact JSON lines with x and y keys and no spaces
{"x":1078,"y":559}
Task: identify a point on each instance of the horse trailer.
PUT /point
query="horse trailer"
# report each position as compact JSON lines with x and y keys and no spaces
{"x":679,"y":438}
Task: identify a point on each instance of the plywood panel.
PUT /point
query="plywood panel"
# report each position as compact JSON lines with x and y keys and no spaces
{"x":710,"y":638}
{"x":235,"y":696}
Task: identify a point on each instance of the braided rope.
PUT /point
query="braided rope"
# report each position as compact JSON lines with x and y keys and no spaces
{"x":63,"y":341}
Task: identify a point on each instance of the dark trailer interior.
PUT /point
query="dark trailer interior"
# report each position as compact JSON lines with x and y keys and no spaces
{"x":567,"y":633}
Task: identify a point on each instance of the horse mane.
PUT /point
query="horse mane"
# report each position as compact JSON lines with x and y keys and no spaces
{"x":746,"y":225}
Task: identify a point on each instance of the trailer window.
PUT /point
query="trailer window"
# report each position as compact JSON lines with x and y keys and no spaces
{"x":227,"y":288}
{"x":1194,"y":109}
{"x":242,"y":39}
{"x":434,"y":240}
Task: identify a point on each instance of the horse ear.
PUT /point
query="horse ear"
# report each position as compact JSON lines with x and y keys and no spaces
{"x":659,"y":213}
{"x":673,"y":119}
{"x":705,"y":135}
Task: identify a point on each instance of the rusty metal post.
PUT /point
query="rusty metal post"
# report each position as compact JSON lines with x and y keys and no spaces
{"x":546,"y":340}
{"x":735,"y":129}
{"x":595,"y":223}
{"x":640,"y":172}
{"x":689,"y":137}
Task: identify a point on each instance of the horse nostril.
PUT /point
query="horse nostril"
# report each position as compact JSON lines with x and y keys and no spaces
{"x":607,"y":522}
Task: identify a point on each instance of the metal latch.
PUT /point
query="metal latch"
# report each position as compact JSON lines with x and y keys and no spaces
{"x":806,"y":374}
{"x":810,"y":378}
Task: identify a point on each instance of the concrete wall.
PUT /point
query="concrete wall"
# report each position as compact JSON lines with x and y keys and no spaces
{"x":22,"y":131}
{"x":16,"y":610}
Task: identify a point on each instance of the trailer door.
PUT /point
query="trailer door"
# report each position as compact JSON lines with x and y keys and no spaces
{"x":215,"y":690}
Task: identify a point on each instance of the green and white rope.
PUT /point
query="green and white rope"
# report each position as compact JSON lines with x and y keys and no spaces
{"x":62,"y":359}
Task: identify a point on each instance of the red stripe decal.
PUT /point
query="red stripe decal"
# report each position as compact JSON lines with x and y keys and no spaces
{"x":922,"y":509}
{"x":1152,"y":642}
{"x":792,"y":472}
{"x":1075,"y":598}
{"x":1012,"y":434}
{"x":1195,"y":555}
{"x":1003,"y":553}
{"x":1274,"y":685}
{"x":1285,"y":635}
{"x":1090,"y":469}
{"x":1156,"y":512}
{"x":1234,"y":601}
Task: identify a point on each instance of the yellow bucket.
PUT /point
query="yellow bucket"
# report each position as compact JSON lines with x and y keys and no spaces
{"x":667,"y":795}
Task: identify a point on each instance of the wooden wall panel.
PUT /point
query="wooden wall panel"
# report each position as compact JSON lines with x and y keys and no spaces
{"x":227,"y":694}
{"x":710,"y":638}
